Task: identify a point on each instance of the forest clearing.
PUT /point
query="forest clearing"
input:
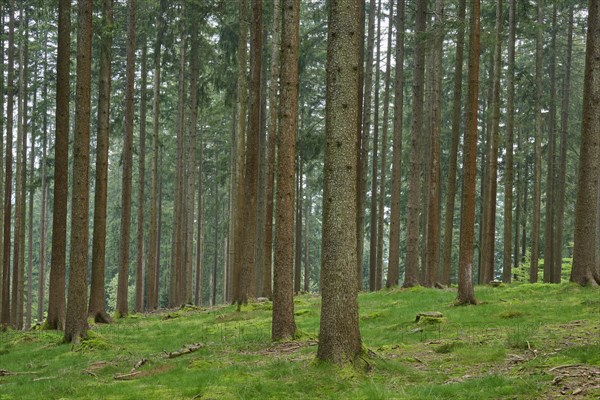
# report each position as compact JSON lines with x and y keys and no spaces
{"x":522,"y":341}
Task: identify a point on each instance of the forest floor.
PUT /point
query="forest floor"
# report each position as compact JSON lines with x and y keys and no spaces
{"x":523,"y":341}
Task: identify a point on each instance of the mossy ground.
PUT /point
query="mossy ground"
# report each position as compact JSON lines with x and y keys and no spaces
{"x":520,"y":342}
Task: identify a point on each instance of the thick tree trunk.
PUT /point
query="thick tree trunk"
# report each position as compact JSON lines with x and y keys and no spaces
{"x":56,"y":301}
{"x":96,"y":306}
{"x":394,"y":244}
{"x":2,"y":87}
{"x":76,"y":317}
{"x":411,"y":274}
{"x":585,"y":265}
{"x":339,"y":336}
{"x":466,"y":294}
{"x":283,"y":325}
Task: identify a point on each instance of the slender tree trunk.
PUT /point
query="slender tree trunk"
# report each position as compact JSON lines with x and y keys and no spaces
{"x":411,"y":274}
{"x":44,"y":201}
{"x":200,"y":235}
{"x":159,"y":233}
{"x":384,"y":149}
{"x":76,"y":317}
{"x":394,"y":242}
{"x":525,"y":192}
{"x":550,"y":224}
{"x":139,"y":274}
{"x":246,"y":283}
{"x":518,"y":187}
{"x":56,"y":301}
{"x":562,"y":169}
{"x":153,"y":237}
{"x":28,"y":312}
{"x":466,"y":294}
{"x":339,"y":336}
{"x":96,"y":306}
{"x":306,"y":244}
{"x":213,"y":300}
{"x":537,"y":172}
{"x":490,"y":187}
{"x":298,"y":225}
{"x":509,"y":144}
{"x":374,"y":163}
{"x":125,"y":230}
{"x":283,"y":325}
{"x":2,"y":87}
{"x":585,"y":265}
{"x":364,"y":140}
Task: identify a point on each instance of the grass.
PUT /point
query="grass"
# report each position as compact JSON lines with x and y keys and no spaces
{"x":513,"y":345}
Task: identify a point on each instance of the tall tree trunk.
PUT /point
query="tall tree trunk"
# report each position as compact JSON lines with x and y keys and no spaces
{"x":56,"y":301}
{"x":466,"y":294}
{"x":562,"y":169}
{"x":518,"y":187}
{"x":537,"y":172}
{"x":374,"y":163}
{"x":2,"y":87}
{"x":550,"y":224}
{"x":384,"y":149}
{"x":153,"y":237}
{"x":283,"y":324}
{"x":525,"y":193}
{"x":125,"y":230}
{"x":339,"y":336}
{"x":271,"y":143}
{"x":394,"y":241}
{"x":213,"y":298}
{"x":455,"y":139}
{"x":139,"y":261}
{"x":298,"y":225}
{"x":44,"y":202}
{"x":240,"y":144}
{"x":246,"y":279}
{"x":96,"y":307}
{"x":76,"y":317}
{"x":28,"y":309}
{"x":200,"y":235}
{"x":491,"y":176}
{"x":364,"y":140}
{"x":509,"y":144}
{"x":411,"y":274}
{"x":585,"y":265}
{"x":307,"y":213}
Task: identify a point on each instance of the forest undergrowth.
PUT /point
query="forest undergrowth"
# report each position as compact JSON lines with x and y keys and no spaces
{"x":521,"y":341}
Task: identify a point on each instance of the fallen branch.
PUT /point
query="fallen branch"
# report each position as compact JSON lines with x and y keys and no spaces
{"x":564,"y":366}
{"x":139,"y":364}
{"x":4,"y":372}
{"x":90,"y":373}
{"x":185,"y":350}
{"x":127,"y":377}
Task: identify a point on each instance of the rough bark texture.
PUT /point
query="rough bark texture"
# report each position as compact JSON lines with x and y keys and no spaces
{"x":585,"y":265}
{"x":411,"y":274}
{"x":537,"y":171}
{"x":466,"y":294}
{"x":283,"y":325}
{"x":247,"y":287}
{"x":2,"y":87}
{"x":56,"y":301}
{"x":339,"y":337}
{"x":394,"y":244}
{"x":488,"y":228}
{"x":96,"y":306}
{"x":125,"y":230}
{"x":564,"y":130}
{"x":76,"y":317}
{"x":509,"y":144}
{"x":453,"y":159}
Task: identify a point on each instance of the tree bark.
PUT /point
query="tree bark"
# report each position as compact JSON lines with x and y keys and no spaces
{"x":200,"y":235}
{"x":466,"y":293}
{"x":76,"y":317}
{"x":96,"y":307}
{"x":585,"y":265}
{"x":339,"y":337}
{"x":394,"y":241}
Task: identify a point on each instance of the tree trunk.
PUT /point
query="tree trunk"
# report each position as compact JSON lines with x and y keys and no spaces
{"x":306,"y":244}
{"x":6,"y":297}
{"x":76,"y":317}
{"x":200,"y":235}
{"x":153,"y":237}
{"x":246,"y":279}
{"x":394,"y":241}
{"x":562,"y":169}
{"x":364,"y":140}
{"x":96,"y":306}
{"x":283,"y":325}
{"x":518,"y":187}
{"x":585,"y":266}
{"x":339,"y":336}
{"x":374,"y":163}
{"x":213,"y":298}
{"x":466,"y":294}
{"x":453,"y":159}
{"x":537,"y":172}
{"x":28,"y":309}
{"x":411,"y":274}
{"x":2,"y":87}
{"x":56,"y":301}
{"x":509,"y":144}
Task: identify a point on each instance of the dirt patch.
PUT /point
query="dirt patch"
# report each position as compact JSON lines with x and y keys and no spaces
{"x":578,"y":380}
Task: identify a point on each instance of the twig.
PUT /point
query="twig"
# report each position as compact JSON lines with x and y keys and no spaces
{"x":126,"y":377}
{"x":185,"y":350}
{"x":90,"y":373}
{"x":564,"y":366}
